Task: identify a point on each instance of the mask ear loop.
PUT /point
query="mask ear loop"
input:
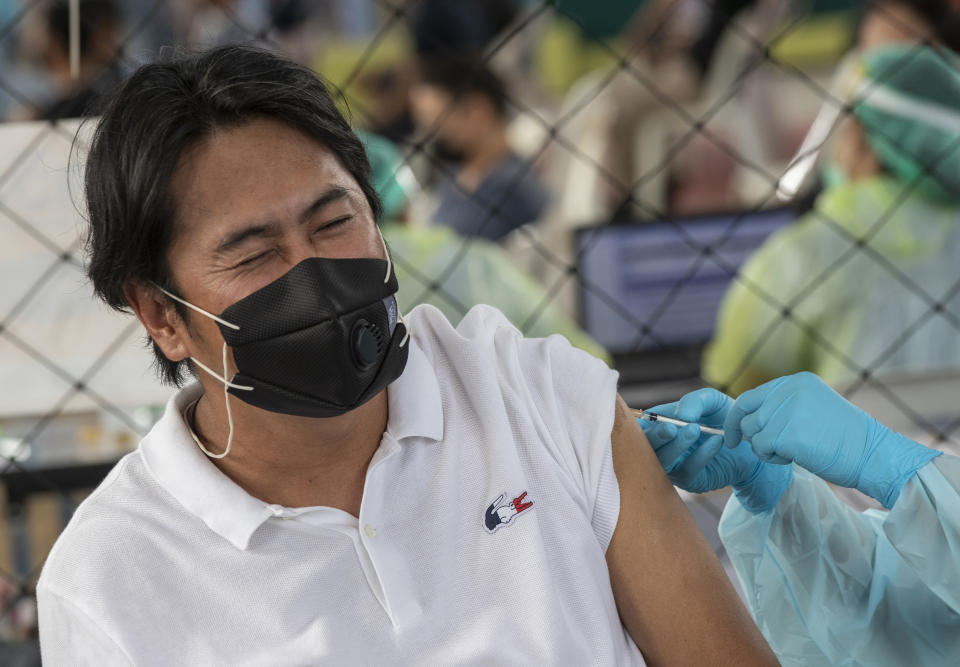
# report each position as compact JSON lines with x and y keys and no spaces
{"x":226,"y":400}
{"x":386,"y":279}
{"x":223,"y":379}
{"x":199,"y":310}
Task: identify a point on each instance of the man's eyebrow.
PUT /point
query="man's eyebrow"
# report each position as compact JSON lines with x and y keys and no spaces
{"x":328,"y":196}
{"x":237,"y":237}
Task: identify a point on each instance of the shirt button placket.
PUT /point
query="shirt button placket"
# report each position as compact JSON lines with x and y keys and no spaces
{"x":383,"y":556}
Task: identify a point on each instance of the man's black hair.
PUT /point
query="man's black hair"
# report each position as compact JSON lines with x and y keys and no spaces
{"x":161,"y":111}
{"x":460,"y":75}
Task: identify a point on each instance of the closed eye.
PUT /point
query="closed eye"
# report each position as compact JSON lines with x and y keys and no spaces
{"x":252,"y":260}
{"x":333,"y":224}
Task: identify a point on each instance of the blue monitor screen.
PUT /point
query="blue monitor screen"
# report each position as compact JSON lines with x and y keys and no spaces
{"x":668,"y":277}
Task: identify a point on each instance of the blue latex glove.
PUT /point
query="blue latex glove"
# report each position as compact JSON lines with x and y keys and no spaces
{"x":698,"y":462}
{"x":799,"y":418}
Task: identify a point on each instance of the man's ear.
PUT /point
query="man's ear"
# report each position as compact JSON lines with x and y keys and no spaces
{"x":155,"y":310}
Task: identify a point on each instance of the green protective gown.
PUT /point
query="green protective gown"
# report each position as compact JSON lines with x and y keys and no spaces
{"x":868,"y":281}
{"x":851,"y":308}
{"x":483,"y":274}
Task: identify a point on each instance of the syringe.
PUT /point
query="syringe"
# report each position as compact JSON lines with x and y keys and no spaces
{"x":654,"y":417}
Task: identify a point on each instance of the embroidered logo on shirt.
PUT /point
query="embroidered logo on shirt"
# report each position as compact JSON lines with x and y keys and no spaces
{"x":501,"y":513}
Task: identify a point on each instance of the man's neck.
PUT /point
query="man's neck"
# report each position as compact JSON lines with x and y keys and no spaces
{"x":294,"y":461}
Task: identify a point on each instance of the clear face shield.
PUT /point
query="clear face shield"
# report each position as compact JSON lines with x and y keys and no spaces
{"x":797,"y":176}
{"x":853,"y":86}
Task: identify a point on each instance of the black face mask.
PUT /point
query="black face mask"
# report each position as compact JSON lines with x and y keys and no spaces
{"x":319,"y":341}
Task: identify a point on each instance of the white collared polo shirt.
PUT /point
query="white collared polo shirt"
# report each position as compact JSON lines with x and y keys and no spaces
{"x":481,"y":539}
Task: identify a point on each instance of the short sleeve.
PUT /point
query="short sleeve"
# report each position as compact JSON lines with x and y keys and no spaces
{"x":68,"y":636}
{"x":575,"y":395}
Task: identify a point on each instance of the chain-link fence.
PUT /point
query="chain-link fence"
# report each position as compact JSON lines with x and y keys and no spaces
{"x":658,"y":134}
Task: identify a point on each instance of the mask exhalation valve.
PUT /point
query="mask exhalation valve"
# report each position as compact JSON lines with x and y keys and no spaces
{"x":367,"y":345}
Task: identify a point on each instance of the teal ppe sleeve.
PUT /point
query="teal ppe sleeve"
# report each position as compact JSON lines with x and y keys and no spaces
{"x":832,"y":586}
{"x":924,"y":528}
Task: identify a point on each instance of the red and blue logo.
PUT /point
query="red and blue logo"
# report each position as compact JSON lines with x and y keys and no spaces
{"x":501,"y":512}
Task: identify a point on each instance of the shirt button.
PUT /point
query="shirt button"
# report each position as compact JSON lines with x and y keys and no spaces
{"x":370,"y":531}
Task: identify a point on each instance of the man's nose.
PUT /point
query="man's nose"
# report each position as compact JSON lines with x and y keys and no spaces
{"x":301,"y":247}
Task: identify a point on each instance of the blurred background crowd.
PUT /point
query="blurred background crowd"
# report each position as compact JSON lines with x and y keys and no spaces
{"x":698,"y":191}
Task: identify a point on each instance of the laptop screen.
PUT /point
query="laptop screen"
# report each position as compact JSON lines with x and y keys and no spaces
{"x":655,"y":285}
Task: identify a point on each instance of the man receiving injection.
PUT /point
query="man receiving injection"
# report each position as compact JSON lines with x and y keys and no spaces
{"x":827,"y":584}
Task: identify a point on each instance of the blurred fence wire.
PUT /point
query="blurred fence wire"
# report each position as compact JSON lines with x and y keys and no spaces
{"x":695,"y":140}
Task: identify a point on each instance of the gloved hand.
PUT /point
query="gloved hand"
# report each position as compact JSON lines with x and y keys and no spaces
{"x":799,"y":418}
{"x":698,"y":463}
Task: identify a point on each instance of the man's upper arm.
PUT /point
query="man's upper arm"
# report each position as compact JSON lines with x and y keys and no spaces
{"x":672,"y":594}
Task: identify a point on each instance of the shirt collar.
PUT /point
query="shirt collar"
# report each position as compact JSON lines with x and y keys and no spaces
{"x":189,"y":476}
{"x":196,"y":483}
{"x":414,"y":400}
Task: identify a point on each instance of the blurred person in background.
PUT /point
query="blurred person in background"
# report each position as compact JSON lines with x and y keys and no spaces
{"x":99,"y":74}
{"x":206,"y":23}
{"x":460,"y":107}
{"x":434,"y":265}
{"x":435,"y":29}
{"x":341,"y":484}
{"x":297,"y":27}
{"x":441,"y":29}
{"x":671,"y":47}
{"x":897,"y":21}
{"x":890,"y":210}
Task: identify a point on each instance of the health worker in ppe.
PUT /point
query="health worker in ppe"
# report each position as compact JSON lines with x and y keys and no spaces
{"x":833,"y":293}
{"x":827,"y":585}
